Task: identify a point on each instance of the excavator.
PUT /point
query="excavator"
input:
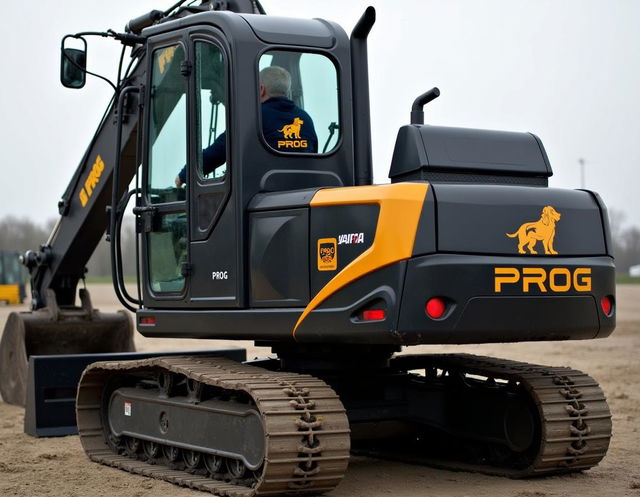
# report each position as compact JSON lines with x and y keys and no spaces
{"x":292,"y":246}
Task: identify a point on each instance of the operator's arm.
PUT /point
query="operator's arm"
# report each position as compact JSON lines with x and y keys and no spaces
{"x":213,"y":156}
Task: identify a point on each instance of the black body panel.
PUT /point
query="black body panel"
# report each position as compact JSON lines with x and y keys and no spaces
{"x":349,"y":229}
{"x":279,"y":268}
{"x":282,"y":200}
{"x":476,"y":313}
{"x":438,"y":153}
{"x":336,"y":321}
{"x":231,"y":324}
{"x":290,"y":31}
{"x":425,"y":241}
{"x":476,"y":219}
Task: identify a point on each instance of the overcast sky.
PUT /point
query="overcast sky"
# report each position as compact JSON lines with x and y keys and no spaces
{"x":568,"y":71}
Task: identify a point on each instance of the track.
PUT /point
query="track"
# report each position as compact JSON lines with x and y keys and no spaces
{"x":573,"y":425}
{"x":306,"y":431}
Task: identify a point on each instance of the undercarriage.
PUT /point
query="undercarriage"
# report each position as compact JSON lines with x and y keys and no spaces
{"x":240,"y":430}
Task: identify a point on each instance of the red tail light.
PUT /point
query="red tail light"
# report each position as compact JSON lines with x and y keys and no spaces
{"x":374,"y":315}
{"x":606,"y":303}
{"x":435,"y":307}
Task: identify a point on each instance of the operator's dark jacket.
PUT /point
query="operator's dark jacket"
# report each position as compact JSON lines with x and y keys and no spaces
{"x":277,"y":113}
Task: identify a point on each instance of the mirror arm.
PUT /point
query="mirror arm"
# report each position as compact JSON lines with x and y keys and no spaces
{"x":125,"y":38}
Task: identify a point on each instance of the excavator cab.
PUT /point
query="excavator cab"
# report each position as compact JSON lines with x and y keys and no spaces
{"x":209,"y":130}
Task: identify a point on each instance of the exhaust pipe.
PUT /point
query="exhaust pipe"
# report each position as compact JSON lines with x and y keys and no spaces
{"x":363,"y":167}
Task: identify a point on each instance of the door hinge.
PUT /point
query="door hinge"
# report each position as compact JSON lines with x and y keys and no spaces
{"x":185,"y":68}
{"x":186,"y":269}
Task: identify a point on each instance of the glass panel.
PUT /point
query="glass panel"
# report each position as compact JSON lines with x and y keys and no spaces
{"x":300,"y":107}
{"x":211,"y":98}
{"x":167,"y":126}
{"x":167,"y":253}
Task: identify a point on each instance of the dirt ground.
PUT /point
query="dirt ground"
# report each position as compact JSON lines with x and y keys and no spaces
{"x":58,"y":467}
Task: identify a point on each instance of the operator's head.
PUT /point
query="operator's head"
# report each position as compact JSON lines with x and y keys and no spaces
{"x":274,"y":82}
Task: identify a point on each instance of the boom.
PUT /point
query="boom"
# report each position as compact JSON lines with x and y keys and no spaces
{"x":60,"y":262}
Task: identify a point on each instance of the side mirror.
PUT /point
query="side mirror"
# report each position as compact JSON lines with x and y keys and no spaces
{"x":73,"y":64}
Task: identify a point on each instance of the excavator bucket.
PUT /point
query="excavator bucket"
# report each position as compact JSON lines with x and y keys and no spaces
{"x":57,"y":330}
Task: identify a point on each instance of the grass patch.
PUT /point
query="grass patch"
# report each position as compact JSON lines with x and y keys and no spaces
{"x":625,"y":279}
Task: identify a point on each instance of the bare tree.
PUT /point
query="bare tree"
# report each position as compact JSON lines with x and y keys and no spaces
{"x":22,"y":234}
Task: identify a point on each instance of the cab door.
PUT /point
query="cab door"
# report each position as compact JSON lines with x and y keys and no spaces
{"x":164,"y":221}
{"x":214,"y":248}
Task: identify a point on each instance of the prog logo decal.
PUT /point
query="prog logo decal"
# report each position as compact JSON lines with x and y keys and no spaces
{"x":327,"y":254}
{"x":544,"y":230}
{"x":559,"y":279}
{"x":91,"y":181}
{"x":290,"y":131}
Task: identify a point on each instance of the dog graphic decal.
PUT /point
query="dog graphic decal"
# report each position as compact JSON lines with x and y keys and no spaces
{"x":292,"y":130}
{"x":543,"y":230}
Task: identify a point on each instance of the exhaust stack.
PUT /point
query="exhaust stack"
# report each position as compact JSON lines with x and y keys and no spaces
{"x":363,"y":169}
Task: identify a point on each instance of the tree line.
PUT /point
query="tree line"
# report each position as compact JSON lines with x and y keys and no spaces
{"x":22,"y":234}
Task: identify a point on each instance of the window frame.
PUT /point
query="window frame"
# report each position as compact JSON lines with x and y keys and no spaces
{"x":196,"y":182}
{"x":164,"y":208}
{"x":196,"y":38}
{"x":337,"y":67}
{"x":146,"y":159}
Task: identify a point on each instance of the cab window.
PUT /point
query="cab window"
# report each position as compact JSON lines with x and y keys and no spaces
{"x":298,"y":92}
{"x":167,"y":154}
{"x":211,"y":106}
{"x":167,"y":126}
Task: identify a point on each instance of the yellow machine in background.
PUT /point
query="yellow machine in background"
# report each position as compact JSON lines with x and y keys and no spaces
{"x":13,"y":278}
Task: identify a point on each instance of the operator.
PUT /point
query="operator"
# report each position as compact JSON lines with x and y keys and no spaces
{"x":286,"y":127}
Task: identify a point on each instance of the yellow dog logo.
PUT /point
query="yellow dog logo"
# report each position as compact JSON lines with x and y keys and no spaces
{"x":543,"y":230}
{"x":292,"y":130}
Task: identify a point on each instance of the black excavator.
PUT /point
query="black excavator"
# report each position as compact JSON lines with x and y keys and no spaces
{"x":294,"y":247}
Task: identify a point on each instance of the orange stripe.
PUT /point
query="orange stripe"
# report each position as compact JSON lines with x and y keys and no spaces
{"x":400,"y":208}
